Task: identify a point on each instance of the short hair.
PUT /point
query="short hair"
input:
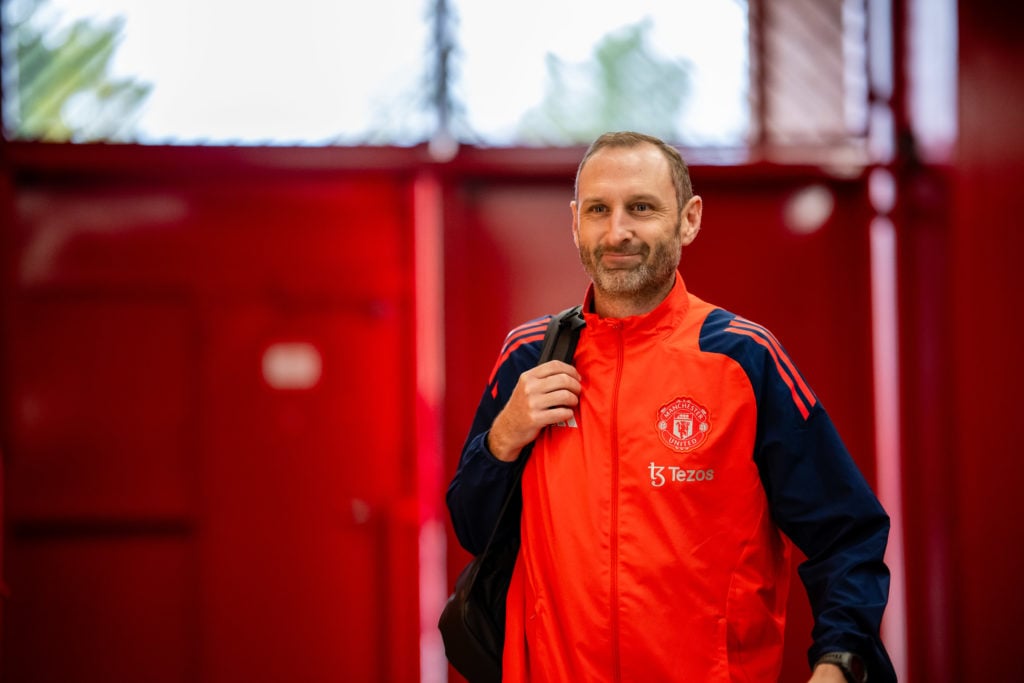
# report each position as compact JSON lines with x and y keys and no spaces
{"x":676,"y":163}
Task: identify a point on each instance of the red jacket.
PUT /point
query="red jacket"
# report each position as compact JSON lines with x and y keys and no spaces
{"x":652,"y":544}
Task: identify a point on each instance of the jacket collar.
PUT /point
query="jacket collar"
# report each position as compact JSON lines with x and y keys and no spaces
{"x":668,"y":315}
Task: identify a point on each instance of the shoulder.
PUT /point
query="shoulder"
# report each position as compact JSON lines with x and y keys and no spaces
{"x":743,"y":341}
{"x":725,"y":332}
{"x":526,"y":336}
{"x":719,"y":330}
{"x":521,"y":348}
{"x":761,"y":355}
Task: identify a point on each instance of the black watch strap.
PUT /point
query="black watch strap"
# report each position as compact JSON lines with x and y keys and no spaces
{"x":851,"y":664}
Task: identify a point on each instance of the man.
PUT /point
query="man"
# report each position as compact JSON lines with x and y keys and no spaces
{"x":667,"y":469}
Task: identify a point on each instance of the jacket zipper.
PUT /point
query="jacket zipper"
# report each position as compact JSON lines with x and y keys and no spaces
{"x":614,"y":533}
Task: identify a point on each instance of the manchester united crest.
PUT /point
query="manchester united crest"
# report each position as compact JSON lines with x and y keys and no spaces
{"x":683,"y":424}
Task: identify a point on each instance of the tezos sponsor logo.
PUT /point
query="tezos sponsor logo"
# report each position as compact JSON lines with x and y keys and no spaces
{"x":683,"y":424}
{"x":661,"y":475}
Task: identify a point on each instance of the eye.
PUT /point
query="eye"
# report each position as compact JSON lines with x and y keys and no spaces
{"x":642,"y":207}
{"x":597,"y":208}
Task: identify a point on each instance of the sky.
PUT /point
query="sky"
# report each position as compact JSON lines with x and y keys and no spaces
{"x":307,"y":71}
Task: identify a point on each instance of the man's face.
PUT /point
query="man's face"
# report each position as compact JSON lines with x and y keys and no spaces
{"x":627,"y":222}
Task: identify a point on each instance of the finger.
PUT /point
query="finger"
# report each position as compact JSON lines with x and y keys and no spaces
{"x":556,"y":367}
{"x":554,"y":399}
{"x":553,"y":375}
{"x":556,"y":415}
{"x":554,"y":383}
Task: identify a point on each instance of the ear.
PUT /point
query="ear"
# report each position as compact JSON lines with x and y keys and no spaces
{"x":575,"y":223}
{"x":689,"y":220}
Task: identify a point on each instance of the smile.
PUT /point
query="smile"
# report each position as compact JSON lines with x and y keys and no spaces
{"x":619,"y":259}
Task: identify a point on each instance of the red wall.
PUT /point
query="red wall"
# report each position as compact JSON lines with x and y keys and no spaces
{"x":986,"y":370}
{"x":172,"y":516}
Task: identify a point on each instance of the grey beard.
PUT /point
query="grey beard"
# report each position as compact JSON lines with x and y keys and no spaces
{"x":646,"y":280}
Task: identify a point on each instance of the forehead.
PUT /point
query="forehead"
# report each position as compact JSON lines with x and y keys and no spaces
{"x":642,"y":168}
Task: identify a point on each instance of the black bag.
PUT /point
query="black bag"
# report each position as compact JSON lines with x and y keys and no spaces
{"x":472,"y":623}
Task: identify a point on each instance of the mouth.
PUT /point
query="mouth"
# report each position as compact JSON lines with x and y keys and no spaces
{"x":621,"y":259}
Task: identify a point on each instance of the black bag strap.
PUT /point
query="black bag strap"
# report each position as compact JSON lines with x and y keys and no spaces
{"x":562,"y":335}
{"x":560,"y":339}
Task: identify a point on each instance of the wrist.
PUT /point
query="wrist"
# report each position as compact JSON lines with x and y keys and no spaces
{"x":828,"y":673}
{"x":496,"y":447}
{"x":850,"y":665}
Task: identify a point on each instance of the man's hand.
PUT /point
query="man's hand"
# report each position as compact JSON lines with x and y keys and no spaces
{"x":544,"y":395}
{"x":827,"y":673}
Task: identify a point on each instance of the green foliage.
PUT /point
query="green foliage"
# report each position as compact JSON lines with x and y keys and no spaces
{"x":625,"y":86}
{"x":63,"y":90}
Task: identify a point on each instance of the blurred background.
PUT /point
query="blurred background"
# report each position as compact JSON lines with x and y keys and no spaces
{"x":258,"y":260}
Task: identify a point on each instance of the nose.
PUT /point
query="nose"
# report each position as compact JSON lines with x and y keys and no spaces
{"x":620,"y":226}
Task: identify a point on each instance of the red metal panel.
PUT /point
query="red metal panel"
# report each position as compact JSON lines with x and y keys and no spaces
{"x":987,"y":373}
{"x":304,"y":502}
{"x":271,"y":526}
{"x":97,"y":608}
{"x":102,"y":389}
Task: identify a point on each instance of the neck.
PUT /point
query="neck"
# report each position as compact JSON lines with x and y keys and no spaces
{"x":608,"y":305}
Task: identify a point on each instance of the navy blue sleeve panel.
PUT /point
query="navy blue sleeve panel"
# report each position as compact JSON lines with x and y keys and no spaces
{"x":817,"y":496}
{"x":482,"y":482}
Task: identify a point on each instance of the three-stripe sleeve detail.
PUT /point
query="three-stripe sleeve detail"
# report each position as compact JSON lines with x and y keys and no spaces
{"x":803,"y":397}
{"x":524,"y":334}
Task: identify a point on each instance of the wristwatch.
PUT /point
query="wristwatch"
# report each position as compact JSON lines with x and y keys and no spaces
{"x":851,"y":664}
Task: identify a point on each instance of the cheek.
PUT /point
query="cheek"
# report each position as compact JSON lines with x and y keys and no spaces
{"x":586,"y":237}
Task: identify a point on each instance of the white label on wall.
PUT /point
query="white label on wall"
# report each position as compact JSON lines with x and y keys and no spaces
{"x":292,"y":365}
